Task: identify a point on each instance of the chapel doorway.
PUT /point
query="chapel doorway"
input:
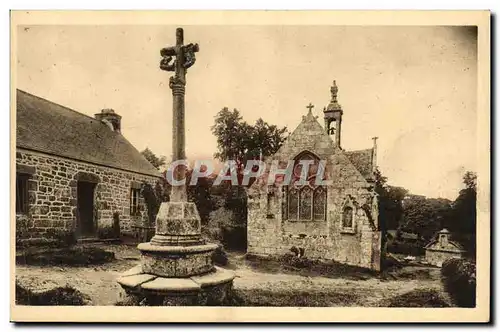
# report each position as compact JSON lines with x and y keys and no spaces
{"x":85,"y":204}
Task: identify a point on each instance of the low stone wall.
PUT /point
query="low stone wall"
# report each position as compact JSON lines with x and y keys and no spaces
{"x":52,"y":195}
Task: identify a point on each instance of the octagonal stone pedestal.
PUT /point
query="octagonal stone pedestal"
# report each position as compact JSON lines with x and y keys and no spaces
{"x":176,"y":261}
{"x":176,"y":266}
{"x":211,"y":288}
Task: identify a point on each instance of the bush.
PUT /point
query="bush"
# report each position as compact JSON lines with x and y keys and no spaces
{"x":290,"y":259}
{"x":405,"y":248}
{"x":218,"y":219}
{"x":422,"y":298}
{"x":22,"y":227}
{"x":459,"y":279}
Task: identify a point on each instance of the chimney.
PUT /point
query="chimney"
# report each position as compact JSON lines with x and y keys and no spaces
{"x":110,"y":118}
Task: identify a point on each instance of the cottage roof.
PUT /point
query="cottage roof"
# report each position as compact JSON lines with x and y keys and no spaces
{"x":50,"y":128}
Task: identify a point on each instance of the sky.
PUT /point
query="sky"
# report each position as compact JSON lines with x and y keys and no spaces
{"x":414,"y":87}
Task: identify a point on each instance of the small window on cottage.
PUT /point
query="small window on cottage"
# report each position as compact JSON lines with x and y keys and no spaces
{"x":347,"y":217}
{"x":22,"y":193}
{"x":134,"y":201}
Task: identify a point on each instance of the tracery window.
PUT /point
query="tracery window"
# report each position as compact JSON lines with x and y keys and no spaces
{"x":304,"y":202}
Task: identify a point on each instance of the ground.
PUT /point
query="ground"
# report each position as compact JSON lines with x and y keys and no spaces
{"x":257,"y":283}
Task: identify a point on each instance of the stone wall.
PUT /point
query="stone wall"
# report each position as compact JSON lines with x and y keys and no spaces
{"x":53,"y":196}
{"x":269,"y":234}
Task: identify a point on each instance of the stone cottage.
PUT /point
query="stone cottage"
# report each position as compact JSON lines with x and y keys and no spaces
{"x":337,"y":221}
{"x":76,"y":176}
{"x":442,"y":248}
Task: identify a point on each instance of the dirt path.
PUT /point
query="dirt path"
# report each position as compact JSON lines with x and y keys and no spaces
{"x":99,"y":282}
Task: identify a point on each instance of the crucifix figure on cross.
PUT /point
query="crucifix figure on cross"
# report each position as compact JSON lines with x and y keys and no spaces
{"x":184,"y":58}
{"x":310,"y":107}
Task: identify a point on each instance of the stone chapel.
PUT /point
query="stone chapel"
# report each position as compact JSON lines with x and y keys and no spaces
{"x":337,"y":221}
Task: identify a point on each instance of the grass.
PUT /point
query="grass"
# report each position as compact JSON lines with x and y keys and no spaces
{"x":74,"y":256}
{"x":57,"y":296}
{"x":291,"y":298}
{"x":308,"y":267}
{"x":422,"y":298}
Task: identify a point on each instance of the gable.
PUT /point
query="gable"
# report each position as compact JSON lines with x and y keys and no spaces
{"x":450,"y":246}
{"x":308,"y":136}
{"x":50,"y":128}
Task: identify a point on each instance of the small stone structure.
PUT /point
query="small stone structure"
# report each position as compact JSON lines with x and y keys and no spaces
{"x":176,"y":266}
{"x":441,"y":248}
{"x":75,"y":175}
{"x":338,"y":221}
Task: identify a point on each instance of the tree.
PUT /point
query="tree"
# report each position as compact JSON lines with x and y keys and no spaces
{"x":239,"y":141}
{"x":390,"y":199}
{"x":425,"y":216}
{"x":154,"y":196}
{"x":153,"y":159}
{"x":463,"y":216}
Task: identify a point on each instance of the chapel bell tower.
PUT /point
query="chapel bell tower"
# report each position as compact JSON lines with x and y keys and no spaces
{"x":333,"y":115}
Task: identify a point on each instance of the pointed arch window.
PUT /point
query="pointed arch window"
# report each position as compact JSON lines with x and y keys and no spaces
{"x":347,"y":217}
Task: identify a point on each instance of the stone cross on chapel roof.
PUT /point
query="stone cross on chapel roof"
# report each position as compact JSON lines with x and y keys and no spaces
{"x":310,"y":107}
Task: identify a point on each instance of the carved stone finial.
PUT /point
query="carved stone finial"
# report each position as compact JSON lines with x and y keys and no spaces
{"x":334,"y":90}
{"x":333,"y":106}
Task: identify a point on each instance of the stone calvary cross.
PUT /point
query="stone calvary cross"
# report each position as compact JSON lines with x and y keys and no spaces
{"x":178,"y":220}
{"x":176,"y":266}
{"x":184,"y":58}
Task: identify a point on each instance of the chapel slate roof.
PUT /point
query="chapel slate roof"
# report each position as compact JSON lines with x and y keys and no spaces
{"x":50,"y":128}
{"x":363,"y":161}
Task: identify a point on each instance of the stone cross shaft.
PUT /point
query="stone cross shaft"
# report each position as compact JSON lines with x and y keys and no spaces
{"x":184,"y":58}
